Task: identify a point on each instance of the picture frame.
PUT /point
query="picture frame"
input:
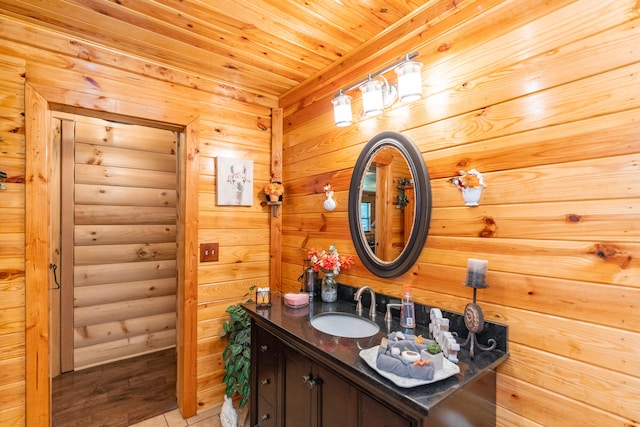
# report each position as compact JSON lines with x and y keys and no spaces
{"x":234,"y":183}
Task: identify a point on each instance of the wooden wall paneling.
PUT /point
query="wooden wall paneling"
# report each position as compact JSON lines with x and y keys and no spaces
{"x":187,"y":293}
{"x":533,"y":366}
{"x":555,"y":133}
{"x":275,"y":277}
{"x":111,"y":195}
{"x":94,"y":131}
{"x":120,"y":349}
{"x":37,"y":250}
{"x":106,"y":175}
{"x":121,"y":215}
{"x":122,"y":157}
{"x":67,"y":222}
{"x":12,"y":238}
{"x":110,"y":254}
{"x":122,"y":234}
{"x":95,"y":294}
{"x":112,"y":331}
{"x":55,"y":248}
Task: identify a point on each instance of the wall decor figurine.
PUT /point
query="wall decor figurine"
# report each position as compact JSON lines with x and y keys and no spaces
{"x":471,"y":184}
{"x":234,"y":182}
{"x":329,"y":204}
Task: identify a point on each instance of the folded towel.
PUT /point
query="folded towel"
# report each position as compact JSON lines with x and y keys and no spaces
{"x":401,"y":368}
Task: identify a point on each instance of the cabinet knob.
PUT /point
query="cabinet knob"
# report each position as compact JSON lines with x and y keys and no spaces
{"x":308,"y":380}
{"x":265,"y":381}
{"x":264,"y":348}
{"x":265,"y":417}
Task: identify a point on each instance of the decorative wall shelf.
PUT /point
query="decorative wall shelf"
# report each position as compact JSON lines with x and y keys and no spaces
{"x":275,"y":207}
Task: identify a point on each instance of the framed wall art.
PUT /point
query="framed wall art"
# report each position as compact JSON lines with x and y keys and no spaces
{"x":234,"y":182}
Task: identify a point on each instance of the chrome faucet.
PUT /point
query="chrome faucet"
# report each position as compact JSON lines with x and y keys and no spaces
{"x":372,"y":308}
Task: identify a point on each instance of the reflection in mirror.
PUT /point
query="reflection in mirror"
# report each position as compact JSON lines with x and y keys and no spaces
{"x":389,"y":204}
{"x":385,"y":210}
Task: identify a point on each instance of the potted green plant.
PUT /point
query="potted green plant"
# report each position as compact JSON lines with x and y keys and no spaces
{"x":237,"y":353}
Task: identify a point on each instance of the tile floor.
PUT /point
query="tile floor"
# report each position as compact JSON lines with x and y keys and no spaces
{"x":210,"y":418}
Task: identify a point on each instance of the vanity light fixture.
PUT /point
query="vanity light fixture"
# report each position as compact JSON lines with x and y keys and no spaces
{"x":342,"y":115}
{"x":378,"y":93}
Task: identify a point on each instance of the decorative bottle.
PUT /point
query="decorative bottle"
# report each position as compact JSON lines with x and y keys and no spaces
{"x":407,"y":311}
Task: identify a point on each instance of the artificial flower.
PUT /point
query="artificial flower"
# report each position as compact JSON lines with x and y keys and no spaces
{"x":329,"y":261}
{"x":274,"y":188}
{"x":471,"y":179}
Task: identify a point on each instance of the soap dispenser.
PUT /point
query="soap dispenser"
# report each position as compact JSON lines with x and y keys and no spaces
{"x":407,"y":310}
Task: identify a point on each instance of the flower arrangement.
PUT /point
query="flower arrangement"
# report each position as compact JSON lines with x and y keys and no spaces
{"x":329,"y":261}
{"x":275,"y":188}
{"x":471,"y":179}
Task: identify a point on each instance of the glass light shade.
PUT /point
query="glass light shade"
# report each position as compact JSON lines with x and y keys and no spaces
{"x":342,"y":115}
{"x":409,"y":81}
{"x":372,"y":101}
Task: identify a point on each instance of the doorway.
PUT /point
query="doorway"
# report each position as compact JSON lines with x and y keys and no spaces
{"x":115,"y":264}
{"x":38,"y":119}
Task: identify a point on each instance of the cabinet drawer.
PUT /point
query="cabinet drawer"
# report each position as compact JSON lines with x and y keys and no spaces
{"x":266,"y":414}
{"x":266,"y":368}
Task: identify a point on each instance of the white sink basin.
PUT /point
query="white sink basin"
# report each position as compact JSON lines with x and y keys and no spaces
{"x":345,"y":325}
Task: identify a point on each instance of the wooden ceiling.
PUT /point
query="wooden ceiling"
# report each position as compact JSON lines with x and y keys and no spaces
{"x":263,"y":46}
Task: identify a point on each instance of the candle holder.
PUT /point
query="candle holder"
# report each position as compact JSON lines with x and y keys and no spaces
{"x":473,"y":315}
{"x":263,"y":297}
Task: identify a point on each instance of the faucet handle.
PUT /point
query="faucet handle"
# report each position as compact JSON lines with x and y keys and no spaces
{"x":359,"y":307}
{"x":387,"y":317}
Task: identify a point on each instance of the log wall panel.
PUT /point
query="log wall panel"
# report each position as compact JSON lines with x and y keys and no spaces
{"x":138,"y":148}
{"x":104,"y":332}
{"x":112,"y":292}
{"x":542,"y":98}
{"x":121,"y":234}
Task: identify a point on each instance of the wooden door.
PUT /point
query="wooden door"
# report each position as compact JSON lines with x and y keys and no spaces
{"x":118,"y":240}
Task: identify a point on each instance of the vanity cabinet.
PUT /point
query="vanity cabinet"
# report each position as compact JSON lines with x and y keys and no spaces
{"x":301,"y":377}
{"x":291,"y":390}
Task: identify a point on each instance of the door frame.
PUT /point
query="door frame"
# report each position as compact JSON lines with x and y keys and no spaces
{"x":38,"y":119}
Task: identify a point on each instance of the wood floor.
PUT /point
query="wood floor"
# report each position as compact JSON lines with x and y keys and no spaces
{"x":118,"y":394}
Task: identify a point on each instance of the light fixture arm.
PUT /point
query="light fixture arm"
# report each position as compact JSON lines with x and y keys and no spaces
{"x":371,"y":76}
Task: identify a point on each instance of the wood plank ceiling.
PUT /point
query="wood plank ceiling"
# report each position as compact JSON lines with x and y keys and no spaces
{"x":263,"y":46}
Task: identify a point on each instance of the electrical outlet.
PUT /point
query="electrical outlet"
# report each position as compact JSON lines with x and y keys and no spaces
{"x":208,"y":252}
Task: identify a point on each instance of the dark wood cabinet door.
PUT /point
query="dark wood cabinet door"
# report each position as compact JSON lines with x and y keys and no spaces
{"x":338,"y":401}
{"x":374,"y":414}
{"x":300,"y":391}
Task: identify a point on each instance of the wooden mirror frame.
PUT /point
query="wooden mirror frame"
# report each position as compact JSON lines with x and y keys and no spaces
{"x":422,"y":218}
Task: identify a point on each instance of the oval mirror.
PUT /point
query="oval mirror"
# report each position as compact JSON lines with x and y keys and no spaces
{"x":389,"y":204}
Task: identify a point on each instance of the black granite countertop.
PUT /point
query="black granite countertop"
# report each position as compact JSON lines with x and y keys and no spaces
{"x":342,"y":355}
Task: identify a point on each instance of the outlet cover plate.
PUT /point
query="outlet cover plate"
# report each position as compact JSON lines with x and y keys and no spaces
{"x":208,"y":252}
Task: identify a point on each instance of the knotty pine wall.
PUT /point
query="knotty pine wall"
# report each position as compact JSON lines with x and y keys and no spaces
{"x":543,"y":97}
{"x":233,"y":124}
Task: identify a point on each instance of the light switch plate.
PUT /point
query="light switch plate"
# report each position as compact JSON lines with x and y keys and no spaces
{"x":208,"y":252}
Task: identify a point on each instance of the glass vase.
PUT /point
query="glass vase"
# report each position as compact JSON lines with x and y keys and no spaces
{"x":329,"y":288}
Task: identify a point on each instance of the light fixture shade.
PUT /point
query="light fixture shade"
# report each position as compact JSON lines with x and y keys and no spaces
{"x":372,"y":100}
{"x":342,"y":114}
{"x":409,"y":81}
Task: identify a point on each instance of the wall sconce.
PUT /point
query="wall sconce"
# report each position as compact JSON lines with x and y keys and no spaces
{"x":378,"y":93}
{"x":342,"y":110}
